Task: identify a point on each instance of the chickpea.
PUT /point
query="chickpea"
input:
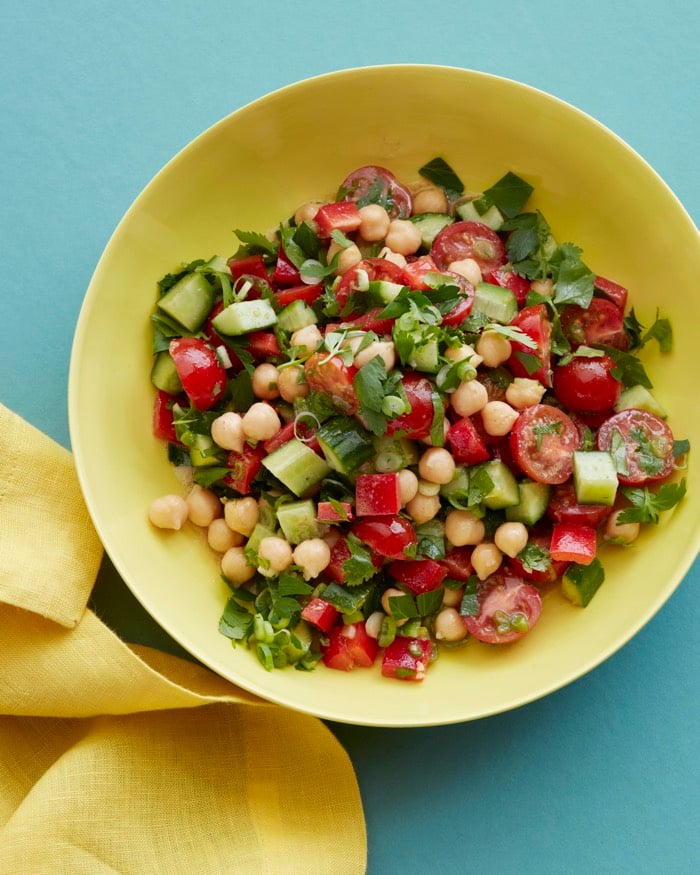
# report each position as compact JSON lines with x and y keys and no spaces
{"x":265,"y":381}
{"x":306,"y":340}
{"x":275,"y":554}
{"x":462,"y":528}
{"x":626,"y":532}
{"x":449,"y":625}
{"x":460,"y":353}
{"x":348,"y":256}
{"x":511,"y":538}
{"x":242,"y":514}
{"x":374,"y":222}
{"x":221,"y":538}
{"x":395,"y":257}
{"x":408,"y":485}
{"x":313,"y":556}
{"x":452,"y":597}
{"x":524,"y":392}
{"x":469,"y":398}
{"x":493,"y":348}
{"x":423,"y":508}
{"x":306,"y":212}
{"x":403,"y":237}
{"x":382,"y":348}
{"x":486,"y":558}
{"x":430,"y":200}
{"x":203,"y":506}
{"x":543,"y":287}
{"x":168,"y":512}
{"x":498,"y":418}
{"x":468,"y":268}
{"x":390,"y":593}
{"x":292,"y":383}
{"x":227,"y":431}
{"x":261,"y":422}
{"x":437,"y":465}
{"x":235,"y":567}
{"x":373,"y":624}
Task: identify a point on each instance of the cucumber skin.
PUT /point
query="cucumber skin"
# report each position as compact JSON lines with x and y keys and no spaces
{"x":534,"y":498}
{"x":189,"y":301}
{"x":581,"y":582}
{"x":297,"y":466}
{"x":242,"y":317}
{"x":345,"y":444}
{"x":499,"y":304}
{"x":164,"y":374}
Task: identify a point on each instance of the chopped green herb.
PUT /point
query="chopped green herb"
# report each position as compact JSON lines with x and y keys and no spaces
{"x":646,"y":452}
{"x":509,"y":194}
{"x":255,"y":243}
{"x":358,"y":568}
{"x":534,"y":557}
{"x":647,"y":506}
{"x":439,"y":172}
{"x":540,"y":430}
{"x":469,"y":606}
{"x":680,"y":448}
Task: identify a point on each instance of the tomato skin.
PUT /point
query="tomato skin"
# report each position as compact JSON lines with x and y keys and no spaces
{"x":389,"y":536}
{"x":419,"y":575}
{"x":262,"y":345}
{"x":163,"y":426}
{"x":602,"y":323}
{"x":543,"y":441}
{"x":572,"y":542}
{"x":468,"y":240}
{"x":414,"y":272}
{"x":393,"y":195}
{"x":534,"y":322}
{"x":416,"y":423}
{"x":350,"y":647}
{"x":540,"y":576}
{"x":612,"y":290}
{"x":285,"y":273}
{"x":635,"y":428}
{"x":341,"y":216}
{"x":245,"y":467}
{"x":507,"y":278}
{"x":251,"y":265}
{"x":375,"y":268}
{"x":459,"y":313}
{"x":307,"y":294}
{"x":325,"y":512}
{"x":332,"y":377}
{"x":370,"y":321}
{"x":377,"y":495}
{"x":505,"y":592}
{"x":458,"y":563}
{"x":564,"y":508}
{"x":320,"y":614}
{"x":465,"y":443}
{"x":587,"y":384}
{"x":407,"y":659}
{"x":202,"y":376}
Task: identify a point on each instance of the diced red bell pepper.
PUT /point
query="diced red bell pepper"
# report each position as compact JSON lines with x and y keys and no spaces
{"x":458,"y":563}
{"x":341,"y":216}
{"x":245,"y":467}
{"x":407,"y":659}
{"x":163,"y":427}
{"x":285,"y":273}
{"x":350,"y":647}
{"x":419,"y":575}
{"x":326,"y":513}
{"x":377,"y":494}
{"x":262,"y":344}
{"x":320,"y":614}
{"x":414,"y":272}
{"x":459,"y":313}
{"x":307,"y":294}
{"x":508,"y":279}
{"x":370,"y":321}
{"x":340,"y":553}
{"x":614,"y":292}
{"x":251,"y":265}
{"x":572,"y":542}
{"x":465,"y":443}
{"x":200,"y":372}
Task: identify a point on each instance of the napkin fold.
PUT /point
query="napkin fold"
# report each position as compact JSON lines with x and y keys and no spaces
{"x":123,"y":759}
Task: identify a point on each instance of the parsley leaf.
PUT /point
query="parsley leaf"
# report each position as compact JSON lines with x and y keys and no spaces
{"x":255,"y":243}
{"x":527,"y":245}
{"x":647,"y":505}
{"x":373,"y":385}
{"x":480,"y":485}
{"x":469,"y":606}
{"x":439,"y":172}
{"x":236,"y":621}
{"x":646,"y":454}
{"x":534,"y":557}
{"x":509,"y":194}
{"x":347,"y":601}
{"x":660,"y":331}
{"x":574,"y":280}
{"x":628,"y":369}
{"x":359,"y":568}
{"x":680,"y":448}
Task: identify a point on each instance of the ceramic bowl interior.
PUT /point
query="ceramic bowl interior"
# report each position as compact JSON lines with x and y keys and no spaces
{"x":254,"y":168}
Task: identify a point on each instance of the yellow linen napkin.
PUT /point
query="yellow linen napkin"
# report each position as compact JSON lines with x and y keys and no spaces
{"x":123,"y":759}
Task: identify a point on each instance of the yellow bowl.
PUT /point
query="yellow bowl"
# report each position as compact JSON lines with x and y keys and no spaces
{"x":255,"y":167}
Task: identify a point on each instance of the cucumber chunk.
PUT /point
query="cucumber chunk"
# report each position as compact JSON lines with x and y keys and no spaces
{"x":425,"y":357}
{"x":581,"y":582}
{"x":164,"y":374}
{"x":297,"y":520}
{"x":297,"y":466}
{"x":595,"y":478}
{"x":499,"y":304}
{"x":493,"y":218}
{"x":189,"y":301}
{"x":345,"y":444}
{"x":242,"y":317}
{"x":430,"y":225}
{"x":505,"y":487}
{"x":532,"y":504}
{"x":295,"y":316}
{"x":639,"y":398}
{"x":383,"y":291}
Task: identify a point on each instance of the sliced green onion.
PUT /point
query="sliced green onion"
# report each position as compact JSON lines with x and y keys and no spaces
{"x":393,"y":406}
{"x":389,"y":461}
{"x":387,"y":631}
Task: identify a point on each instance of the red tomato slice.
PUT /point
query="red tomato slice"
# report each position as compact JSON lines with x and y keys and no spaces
{"x":602,"y":322}
{"x":459,"y":313}
{"x":534,"y":322}
{"x":543,"y":441}
{"x":644,"y":442}
{"x":285,"y":273}
{"x":262,"y":344}
{"x":375,"y":268}
{"x":340,"y":553}
{"x":419,"y":575}
{"x":251,"y":265}
{"x":415,"y":271}
{"x":507,"y":278}
{"x":466,"y":444}
{"x":334,"y":378}
{"x":307,"y":294}
{"x":508,"y":609}
{"x":564,"y":508}
{"x":614,"y":292}
{"x":374,"y":184}
{"x":370,"y":321}
{"x":407,"y":659}
{"x":163,"y":426}
{"x":377,"y":495}
{"x":416,"y":423}
{"x":469,"y":240}
{"x":245,"y":467}
{"x":458,"y":563}
{"x":200,"y":372}
{"x":350,"y":647}
{"x":387,"y":535}
{"x":587,"y":384}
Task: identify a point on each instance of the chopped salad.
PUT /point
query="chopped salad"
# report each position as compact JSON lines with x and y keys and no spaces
{"x":402,"y":416}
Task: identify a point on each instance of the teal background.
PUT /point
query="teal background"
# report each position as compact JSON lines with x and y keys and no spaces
{"x":599,"y":777}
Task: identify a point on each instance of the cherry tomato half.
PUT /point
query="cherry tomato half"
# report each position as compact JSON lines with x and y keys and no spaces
{"x":469,"y":240}
{"x":508,"y":609}
{"x":543,"y":441}
{"x":587,"y":384}
{"x":641,"y":443}
{"x":416,"y":423}
{"x":375,"y":268}
{"x":200,"y":372}
{"x":387,"y":535}
{"x":564,"y":508}
{"x":528,"y":362}
{"x":459,"y":313}
{"x":374,"y":184}
{"x":332,"y":377}
{"x":602,"y":323}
